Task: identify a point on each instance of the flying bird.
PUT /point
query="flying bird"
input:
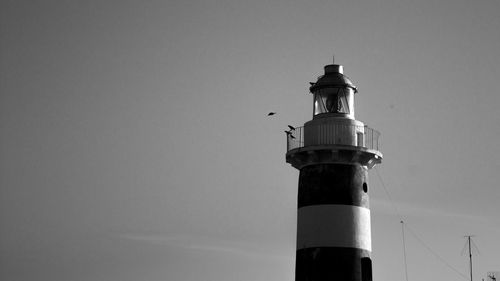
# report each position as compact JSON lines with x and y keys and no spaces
{"x":292,"y":128}
{"x":312,"y":83}
{"x":288,"y":132}
{"x":271,"y":113}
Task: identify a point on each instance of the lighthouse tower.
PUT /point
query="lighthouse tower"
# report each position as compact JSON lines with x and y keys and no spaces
{"x":333,"y":152}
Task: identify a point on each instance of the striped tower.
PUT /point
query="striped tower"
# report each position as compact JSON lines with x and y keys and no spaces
{"x":333,"y":152}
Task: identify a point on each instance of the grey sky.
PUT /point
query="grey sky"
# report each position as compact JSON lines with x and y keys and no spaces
{"x":134,"y":141}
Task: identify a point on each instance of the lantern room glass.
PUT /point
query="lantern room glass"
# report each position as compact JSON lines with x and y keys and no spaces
{"x":334,"y":100}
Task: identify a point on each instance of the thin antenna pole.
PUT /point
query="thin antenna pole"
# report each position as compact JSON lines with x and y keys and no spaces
{"x":404,"y":249}
{"x":470,"y":258}
{"x":470,"y":254}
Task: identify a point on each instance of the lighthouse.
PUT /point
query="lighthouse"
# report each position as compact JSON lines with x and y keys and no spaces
{"x":333,"y":153}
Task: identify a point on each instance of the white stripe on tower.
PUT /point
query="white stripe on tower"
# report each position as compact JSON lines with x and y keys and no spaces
{"x":333,"y":226}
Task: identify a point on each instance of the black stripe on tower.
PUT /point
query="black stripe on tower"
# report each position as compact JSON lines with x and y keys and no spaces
{"x":342,"y":184}
{"x":333,"y":263}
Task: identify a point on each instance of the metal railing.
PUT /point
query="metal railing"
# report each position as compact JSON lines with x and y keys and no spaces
{"x":333,"y":134}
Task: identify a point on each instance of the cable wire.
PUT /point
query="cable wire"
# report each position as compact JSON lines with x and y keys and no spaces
{"x":400,"y":217}
{"x":405,"y":225}
{"x":434,"y":253}
{"x":388,"y":195}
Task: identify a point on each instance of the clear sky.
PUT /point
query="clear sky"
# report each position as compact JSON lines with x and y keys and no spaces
{"x":134,"y":141}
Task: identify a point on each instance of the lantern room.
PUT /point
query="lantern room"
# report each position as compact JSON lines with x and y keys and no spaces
{"x":333,"y":94}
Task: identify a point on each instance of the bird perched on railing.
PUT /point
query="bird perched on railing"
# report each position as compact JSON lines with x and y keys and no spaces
{"x":290,"y":134}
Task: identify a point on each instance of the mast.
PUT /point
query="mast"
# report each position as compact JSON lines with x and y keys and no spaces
{"x":470,"y":258}
{"x":469,"y":245}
